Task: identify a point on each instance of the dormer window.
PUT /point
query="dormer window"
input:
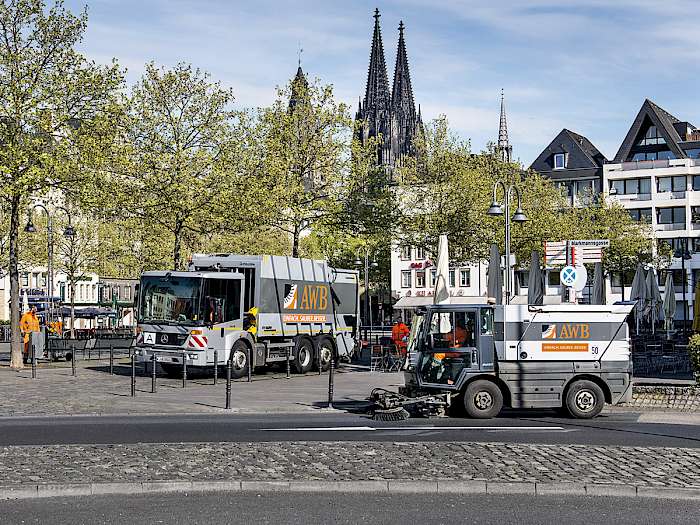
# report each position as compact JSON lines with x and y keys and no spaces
{"x":559,"y":161}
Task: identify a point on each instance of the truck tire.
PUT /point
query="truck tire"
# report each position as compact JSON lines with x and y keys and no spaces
{"x":303,"y":356}
{"x":324,"y":352}
{"x":239,"y":360}
{"x":482,"y":399}
{"x":584,"y":399}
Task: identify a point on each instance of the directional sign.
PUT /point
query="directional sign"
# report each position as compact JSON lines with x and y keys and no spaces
{"x":591,"y":243}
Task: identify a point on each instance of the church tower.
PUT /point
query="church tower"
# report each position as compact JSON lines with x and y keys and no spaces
{"x":389,"y":114}
{"x":504,"y":150}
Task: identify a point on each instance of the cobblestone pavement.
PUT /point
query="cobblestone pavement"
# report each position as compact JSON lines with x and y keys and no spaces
{"x":94,"y":391}
{"x":663,"y":467}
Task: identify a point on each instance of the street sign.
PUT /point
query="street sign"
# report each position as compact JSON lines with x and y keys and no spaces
{"x":580,"y":251}
{"x":574,"y":277}
{"x":567,"y":276}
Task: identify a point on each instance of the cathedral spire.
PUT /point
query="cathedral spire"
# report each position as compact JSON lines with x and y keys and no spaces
{"x":402,"y":92}
{"x":377,"y":91}
{"x":503,"y":149}
{"x":300,"y":89}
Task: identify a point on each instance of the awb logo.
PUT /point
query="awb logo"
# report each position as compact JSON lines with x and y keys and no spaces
{"x":305,"y":297}
{"x":566,"y":331}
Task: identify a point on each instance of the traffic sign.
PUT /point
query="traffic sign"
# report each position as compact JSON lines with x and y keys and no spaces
{"x":574,"y":277}
{"x":567,"y":276}
{"x":581,"y":251}
{"x":591,"y":243}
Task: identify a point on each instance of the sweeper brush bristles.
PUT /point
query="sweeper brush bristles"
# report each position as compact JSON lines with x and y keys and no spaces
{"x":391,"y":414}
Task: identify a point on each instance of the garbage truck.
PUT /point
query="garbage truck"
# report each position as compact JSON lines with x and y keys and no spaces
{"x":251,"y":310}
{"x":480,"y":358}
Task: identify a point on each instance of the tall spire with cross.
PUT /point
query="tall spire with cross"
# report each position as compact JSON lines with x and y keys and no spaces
{"x":300,"y":86}
{"x":402,"y":104}
{"x":504,"y":150}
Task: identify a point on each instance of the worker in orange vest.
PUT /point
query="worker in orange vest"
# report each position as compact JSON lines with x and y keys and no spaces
{"x":27,"y":324}
{"x":399,"y":336}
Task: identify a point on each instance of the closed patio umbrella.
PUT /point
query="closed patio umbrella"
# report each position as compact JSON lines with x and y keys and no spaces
{"x":654,"y":297}
{"x":494,"y":280}
{"x":598,"y":293}
{"x":696,"y":308}
{"x":670,"y":303}
{"x":639,"y":292}
{"x":535,"y":282}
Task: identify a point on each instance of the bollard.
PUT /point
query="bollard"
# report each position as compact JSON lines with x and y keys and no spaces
{"x":250,"y":364}
{"x":72,"y":359}
{"x":330,"y":381}
{"x":184,"y":370}
{"x":133,"y":373}
{"x":216,"y":366}
{"x":229,"y":367}
{"x":154,"y":368}
{"x":33,"y":361}
{"x":289,"y":356}
{"x":111,"y":360}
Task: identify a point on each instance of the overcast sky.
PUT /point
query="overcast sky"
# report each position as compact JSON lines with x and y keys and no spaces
{"x":586,"y":65}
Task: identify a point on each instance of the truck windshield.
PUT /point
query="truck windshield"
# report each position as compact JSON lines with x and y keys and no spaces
{"x":170,"y":300}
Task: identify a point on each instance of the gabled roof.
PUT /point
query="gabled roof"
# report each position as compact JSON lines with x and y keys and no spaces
{"x":582,"y":153}
{"x":663,"y":121}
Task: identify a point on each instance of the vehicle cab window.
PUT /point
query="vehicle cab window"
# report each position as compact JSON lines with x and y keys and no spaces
{"x":222,"y":300}
{"x":450,"y":344}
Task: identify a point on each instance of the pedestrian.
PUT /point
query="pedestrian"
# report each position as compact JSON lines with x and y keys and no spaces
{"x":28,"y":323}
{"x":399,"y":336}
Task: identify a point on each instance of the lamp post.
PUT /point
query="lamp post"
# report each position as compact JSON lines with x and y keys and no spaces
{"x":496,"y":210}
{"x":367,"y":264}
{"x":684,"y":255}
{"x":68,"y":232}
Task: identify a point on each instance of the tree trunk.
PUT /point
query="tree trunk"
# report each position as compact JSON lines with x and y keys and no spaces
{"x":295,"y":242}
{"x":16,"y":341}
{"x":177,"y":248}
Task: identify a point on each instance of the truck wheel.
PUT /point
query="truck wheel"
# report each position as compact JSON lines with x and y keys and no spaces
{"x":303,"y":356}
{"x":239,"y":358}
{"x":324,"y":353}
{"x":584,"y":399}
{"x":483,"y":399}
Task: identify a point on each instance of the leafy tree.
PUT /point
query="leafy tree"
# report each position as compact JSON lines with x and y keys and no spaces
{"x":305,"y":147}
{"x":178,"y":172}
{"x":54,"y":107}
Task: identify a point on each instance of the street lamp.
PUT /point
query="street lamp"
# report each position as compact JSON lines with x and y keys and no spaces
{"x":367,"y":265}
{"x":684,"y":255}
{"x":69,"y":232}
{"x":496,"y":210}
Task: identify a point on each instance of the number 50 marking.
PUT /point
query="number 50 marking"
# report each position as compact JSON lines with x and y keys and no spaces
{"x":594,"y":350}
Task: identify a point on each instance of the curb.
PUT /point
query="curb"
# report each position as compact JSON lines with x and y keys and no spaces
{"x":49,"y":490}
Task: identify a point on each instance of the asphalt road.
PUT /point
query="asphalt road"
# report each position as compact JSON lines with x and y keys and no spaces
{"x":612,"y":429}
{"x":252,"y":508}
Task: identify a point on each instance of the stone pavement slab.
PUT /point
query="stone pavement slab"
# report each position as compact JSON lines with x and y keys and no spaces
{"x":608,"y":469}
{"x":95,"y":391}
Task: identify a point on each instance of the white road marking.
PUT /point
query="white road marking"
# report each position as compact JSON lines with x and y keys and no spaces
{"x":421,"y":427}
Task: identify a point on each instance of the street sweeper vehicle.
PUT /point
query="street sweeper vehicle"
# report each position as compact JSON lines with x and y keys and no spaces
{"x":252,"y":310}
{"x":483,"y":357}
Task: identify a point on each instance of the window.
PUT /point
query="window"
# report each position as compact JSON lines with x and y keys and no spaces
{"x":222,"y":300}
{"x":452,"y":278}
{"x":420,"y":279}
{"x":420,"y":254}
{"x":651,"y":137}
{"x":617,"y":279}
{"x":585,"y":190}
{"x":695,"y":214}
{"x":640,"y":214}
{"x":672,"y":244}
{"x":696,"y":182}
{"x":631,"y":186}
{"x":670,"y":215}
{"x":665,"y":184}
{"x":433,"y":274}
{"x":25,"y":280}
{"x":62,"y":291}
{"x":693,"y":153}
{"x":553,"y":278}
{"x":127,"y":293}
{"x":559,"y":161}
{"x":695,"y":247}
{"x":405,"y":253}
{"x":465,"y":277}
{"x":406,"y":279}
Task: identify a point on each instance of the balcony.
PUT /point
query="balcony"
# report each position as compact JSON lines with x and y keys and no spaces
{"x":627,"y":197}
{"x":670,"y":227}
